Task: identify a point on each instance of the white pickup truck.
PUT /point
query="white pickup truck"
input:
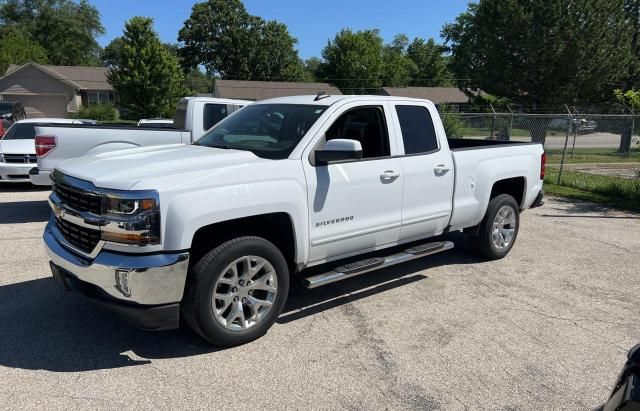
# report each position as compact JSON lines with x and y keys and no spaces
{"x":58,"y":143}
{"x":213,"y":230}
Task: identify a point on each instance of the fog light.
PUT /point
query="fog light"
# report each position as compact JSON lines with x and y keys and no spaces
{"x":122,"y":282}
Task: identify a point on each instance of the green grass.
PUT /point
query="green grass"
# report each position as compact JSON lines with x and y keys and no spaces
{"x":620,"y":193}
{"x":593,"y":155}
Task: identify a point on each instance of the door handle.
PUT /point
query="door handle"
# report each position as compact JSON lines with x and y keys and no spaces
{"x":441,"y":168}
{"x":389,"y":175}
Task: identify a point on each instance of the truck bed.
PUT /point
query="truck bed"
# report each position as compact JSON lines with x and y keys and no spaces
{"x":79,"y":140}
{"x":479,"y":163}
{"x":459,"y":144}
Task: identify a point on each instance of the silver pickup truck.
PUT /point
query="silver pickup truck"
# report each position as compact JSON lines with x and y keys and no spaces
{"x":58,"y":143}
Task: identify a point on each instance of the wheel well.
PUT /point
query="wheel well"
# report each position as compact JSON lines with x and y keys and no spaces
{"x":275,"y":227}
{"x":512,"y":186}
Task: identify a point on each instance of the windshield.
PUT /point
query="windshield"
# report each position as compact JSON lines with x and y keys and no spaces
{"x":24,"y":131}
{"x":6,"y":108}
{"x":267,"y":130}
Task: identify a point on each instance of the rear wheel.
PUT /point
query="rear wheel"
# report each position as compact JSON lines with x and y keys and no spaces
{"x":498,"y":230}
{"x":236,"y":291}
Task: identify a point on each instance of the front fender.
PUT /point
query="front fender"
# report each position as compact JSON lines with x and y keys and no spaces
{"x":186,"y":212}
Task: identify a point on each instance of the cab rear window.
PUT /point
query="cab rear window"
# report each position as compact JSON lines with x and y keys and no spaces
{"x":25,"y":131}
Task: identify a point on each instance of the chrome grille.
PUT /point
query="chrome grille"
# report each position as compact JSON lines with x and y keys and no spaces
{"x":78,"y":199}
{"x":84,"y":239}
{"x":20,"y":158}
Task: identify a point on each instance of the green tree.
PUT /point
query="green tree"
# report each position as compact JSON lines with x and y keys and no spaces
{"x":431,"y":66}
{"x":312,"y":68}
{"x":66,"y":29}
{"x":540,"y":52}
{"x":16,"y":47}
{"x":398,"y":68}
{"x":112,"y":54}
{"x":631,"y":99}
{"x":354,"y":61}
{"x":146,"y":76}
{"x":632,"y":16}
{"x":231,"y":43}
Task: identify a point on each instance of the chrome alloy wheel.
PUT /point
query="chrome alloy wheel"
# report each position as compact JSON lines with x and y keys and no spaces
{"x":244,"y":293}
{"x":504,"y":227}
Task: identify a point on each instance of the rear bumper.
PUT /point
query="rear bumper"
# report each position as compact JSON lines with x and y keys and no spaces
{"x":40,"y":177}
{"x":15,"y":173}
{"x":154,"y":287}
{"x":539,"y":201}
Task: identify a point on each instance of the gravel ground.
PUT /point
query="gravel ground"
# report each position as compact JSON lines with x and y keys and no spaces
{"x":546,"y":328}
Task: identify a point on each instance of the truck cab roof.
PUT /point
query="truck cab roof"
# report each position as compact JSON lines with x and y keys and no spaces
{"x":329,"y":100}
{"x":217,"y":100}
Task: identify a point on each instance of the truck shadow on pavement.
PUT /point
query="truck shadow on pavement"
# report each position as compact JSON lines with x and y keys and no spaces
{"x":21,"y":188}
{"x":24,"y":212}
{"x":572,"y":208}
{"x":42,"y":328}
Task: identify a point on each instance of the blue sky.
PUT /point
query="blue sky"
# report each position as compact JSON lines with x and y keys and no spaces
{"x":311,"y":22}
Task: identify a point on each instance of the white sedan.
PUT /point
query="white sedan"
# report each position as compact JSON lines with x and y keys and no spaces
{"x":18,"y":150}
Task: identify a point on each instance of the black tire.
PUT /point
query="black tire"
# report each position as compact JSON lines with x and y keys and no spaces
{"x":197,"y":303}
{"x":482,"y":242}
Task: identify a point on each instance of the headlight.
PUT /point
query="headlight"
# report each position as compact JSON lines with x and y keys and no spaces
{"x":130,"y":220}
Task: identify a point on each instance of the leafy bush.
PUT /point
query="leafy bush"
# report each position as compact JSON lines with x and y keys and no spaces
{"x":100,"y":112}
{"x":453,"y":126}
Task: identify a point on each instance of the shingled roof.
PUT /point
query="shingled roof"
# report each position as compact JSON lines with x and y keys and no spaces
{"x":261,"y":90}
{"x":436,"y":94}
{"x":83,"y":78}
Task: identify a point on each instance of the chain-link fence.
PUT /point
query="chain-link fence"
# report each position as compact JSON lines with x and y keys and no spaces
{"x":594,"y":152}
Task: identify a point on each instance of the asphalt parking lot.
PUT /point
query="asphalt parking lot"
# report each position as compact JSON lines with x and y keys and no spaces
{"x":546,"y":328}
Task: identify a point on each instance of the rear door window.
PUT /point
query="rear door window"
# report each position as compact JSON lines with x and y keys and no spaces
{"x":418,"y":133}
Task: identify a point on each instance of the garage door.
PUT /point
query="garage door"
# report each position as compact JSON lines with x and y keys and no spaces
{"x":41,"y":106}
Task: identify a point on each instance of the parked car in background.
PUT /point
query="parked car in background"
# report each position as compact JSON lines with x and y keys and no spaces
{"x":156,"y":123}
{"x":194,"y":116}
{"x":10,"y":112}
{"x":4,"y":126}
{"x":579,"y":125}
{"x":210,"y":232}
{"x":18,"y":150}
{"x":13,"y":110}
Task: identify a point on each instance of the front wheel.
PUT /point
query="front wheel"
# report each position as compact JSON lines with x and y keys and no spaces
{"x":236,"y":291}
{"x":498,"y":229}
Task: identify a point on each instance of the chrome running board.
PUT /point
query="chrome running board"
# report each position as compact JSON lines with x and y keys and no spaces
{"x":370,"y":264}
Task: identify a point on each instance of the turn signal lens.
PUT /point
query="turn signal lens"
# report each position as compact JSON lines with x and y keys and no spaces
{"x":129,"y":238}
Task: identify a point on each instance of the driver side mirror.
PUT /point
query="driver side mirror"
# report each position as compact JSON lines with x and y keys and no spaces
{"x":339,"y":149}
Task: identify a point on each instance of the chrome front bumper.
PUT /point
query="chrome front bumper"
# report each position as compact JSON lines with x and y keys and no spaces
{"x":154,"y":280}
{"x":17,"y":173}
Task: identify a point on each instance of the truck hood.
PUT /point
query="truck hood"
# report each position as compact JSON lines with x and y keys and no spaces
{"x":17,"y":147}
{"x":163,"y":166}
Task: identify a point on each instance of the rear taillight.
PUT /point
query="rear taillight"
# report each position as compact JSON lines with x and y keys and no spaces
{"x":543,"y":164}
{"x":44,"y":145}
